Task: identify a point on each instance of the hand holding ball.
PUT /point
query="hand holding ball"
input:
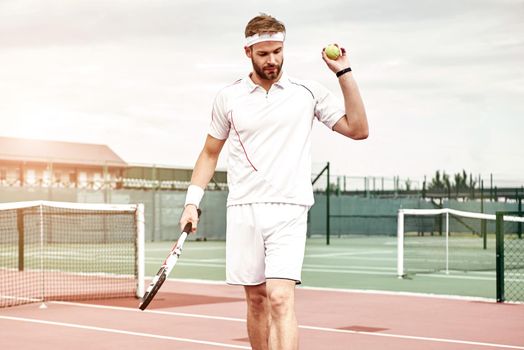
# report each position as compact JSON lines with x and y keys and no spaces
{"x":336,"y":59}
{"x":332,"y":51}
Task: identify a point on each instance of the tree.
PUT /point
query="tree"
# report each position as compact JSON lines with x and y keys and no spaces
{"x":408,"y":184}
{"x":445,"y":179}
{"x":459,"y":182}
{"x":436,"y":182}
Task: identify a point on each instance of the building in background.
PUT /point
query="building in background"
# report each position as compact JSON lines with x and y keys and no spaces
{"x":56,"y":164}
{"x":39,"y":163}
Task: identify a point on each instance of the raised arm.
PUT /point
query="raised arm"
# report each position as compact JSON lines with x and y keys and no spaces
{"x":354,"y":124}
{"x":202,"y":174}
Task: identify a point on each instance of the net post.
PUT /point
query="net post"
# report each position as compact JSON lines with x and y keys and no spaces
{"x":440,"y":218}
{"x":328,"y":214}
{"x":42,"y":237}
{"x":447,"y":242}
{"x":500,"y":255}
{"x":140,"y":246}
{"x":400,"y":244}
{"x":21,"y":238}
{"x":483,"y":229}
{"x":519,"y":232}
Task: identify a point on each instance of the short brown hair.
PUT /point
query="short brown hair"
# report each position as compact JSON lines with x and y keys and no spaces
{"x":264,"y":23}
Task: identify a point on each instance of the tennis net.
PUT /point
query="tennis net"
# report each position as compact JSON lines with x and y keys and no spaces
{"x":70,"y":251}
{"x":445,"y":240}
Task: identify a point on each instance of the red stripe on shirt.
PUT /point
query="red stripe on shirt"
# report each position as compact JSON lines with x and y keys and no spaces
{"x":239,"y":140}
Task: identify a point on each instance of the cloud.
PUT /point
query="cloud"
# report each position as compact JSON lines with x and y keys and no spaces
{"x":442,"y":80}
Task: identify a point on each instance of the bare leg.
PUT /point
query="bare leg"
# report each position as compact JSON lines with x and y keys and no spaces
{"x":258,"y":316}
{"x":283,"y":332}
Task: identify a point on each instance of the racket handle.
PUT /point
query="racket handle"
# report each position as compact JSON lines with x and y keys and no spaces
{"x":189,"y":225}
{"x":187,"y":228}
{"x":180,"y":243}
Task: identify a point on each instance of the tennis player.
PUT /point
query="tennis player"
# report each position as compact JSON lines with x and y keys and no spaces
{"x":267,"y":116}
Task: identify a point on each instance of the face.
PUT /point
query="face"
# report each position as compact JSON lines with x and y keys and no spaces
{"x":267,"y":58}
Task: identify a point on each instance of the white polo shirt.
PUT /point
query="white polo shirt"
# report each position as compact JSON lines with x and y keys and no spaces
{"x":269,"y":136}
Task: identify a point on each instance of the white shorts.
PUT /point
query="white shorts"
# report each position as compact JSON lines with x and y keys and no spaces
{"x":264,"y":241}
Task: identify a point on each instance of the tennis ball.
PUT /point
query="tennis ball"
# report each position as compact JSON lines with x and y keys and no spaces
{"x":332,"y":51}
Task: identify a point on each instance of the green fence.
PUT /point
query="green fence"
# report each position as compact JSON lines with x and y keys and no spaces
{"x":348,"y":215}
{"x":510,"y":257}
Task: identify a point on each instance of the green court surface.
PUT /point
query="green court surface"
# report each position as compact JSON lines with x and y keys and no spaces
{"x":357,"y":262}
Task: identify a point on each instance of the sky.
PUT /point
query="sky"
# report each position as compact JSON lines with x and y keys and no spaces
{"x":442,"y":81}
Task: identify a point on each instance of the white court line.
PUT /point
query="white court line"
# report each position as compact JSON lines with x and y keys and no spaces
{"x":362,"y":271}
{"x":193,"y":248}
{"x":156,"y":312}
{"x":184,"y":263}
{"x":477,"y":278}
{"x":360,"y":291}
{"x":438,"y":340}
{"x":216,"y":263}
{"x":395,"y":293}
{"x":356,"y":272}
{"x":216,"y":260}
{"x":323,"y":255}
{"x":119,"y":331}
{"x":339,"y":267}
{"x":383,"y":268}
{"x":313,"y":328}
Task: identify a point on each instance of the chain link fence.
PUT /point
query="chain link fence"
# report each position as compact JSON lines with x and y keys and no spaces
{"x":510,"y":257}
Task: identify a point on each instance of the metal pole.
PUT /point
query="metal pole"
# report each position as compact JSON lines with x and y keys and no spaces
{"x":447,"y":243}
{"x":500,"y":256}
{"x":51,"y":181}
{"x":153,"y":205}
{"x":140,"y":244}
{"x":440,"y":219}
{"x":21,"y":238}
{"x":42,"y":253}
{"x":483,"y":221}
{"x":491,"y":186}
{"x":400,"y":244}
{"x":328,"y":192}
{"x":520,"y":213}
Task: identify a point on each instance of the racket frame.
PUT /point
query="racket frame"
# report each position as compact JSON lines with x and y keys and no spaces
{"x":166,"y":268}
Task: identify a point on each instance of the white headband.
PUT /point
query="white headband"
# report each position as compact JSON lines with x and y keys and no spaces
{"x":258,"y":38}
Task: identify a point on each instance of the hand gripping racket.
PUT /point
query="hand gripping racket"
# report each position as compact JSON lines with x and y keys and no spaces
{"x":166,"y":267}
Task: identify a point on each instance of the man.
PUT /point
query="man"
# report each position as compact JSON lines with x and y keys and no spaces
{"x":267,"y":117}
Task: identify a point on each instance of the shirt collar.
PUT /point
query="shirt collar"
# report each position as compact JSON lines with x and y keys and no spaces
{"x":282,"y":83}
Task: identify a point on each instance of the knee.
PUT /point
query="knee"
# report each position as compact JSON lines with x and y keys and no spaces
{"x":281,"y":302}
{"x":257,"y":302}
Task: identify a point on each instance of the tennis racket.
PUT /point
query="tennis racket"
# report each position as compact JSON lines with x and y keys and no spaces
{"x":166,"y":267}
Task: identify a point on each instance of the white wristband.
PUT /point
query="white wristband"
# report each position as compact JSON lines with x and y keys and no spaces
{"x":194,"y":195}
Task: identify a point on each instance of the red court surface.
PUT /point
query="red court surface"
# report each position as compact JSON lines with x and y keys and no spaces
{"x":194,"y":316}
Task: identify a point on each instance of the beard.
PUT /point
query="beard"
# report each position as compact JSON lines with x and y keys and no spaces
{"x":268,"y":75}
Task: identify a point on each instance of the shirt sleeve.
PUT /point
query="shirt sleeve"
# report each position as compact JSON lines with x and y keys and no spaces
{"x":220,"y":125}
{"x":328,"y":108}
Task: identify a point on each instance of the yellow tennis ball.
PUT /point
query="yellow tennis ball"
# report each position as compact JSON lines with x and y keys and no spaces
{"x":332,"y":52}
